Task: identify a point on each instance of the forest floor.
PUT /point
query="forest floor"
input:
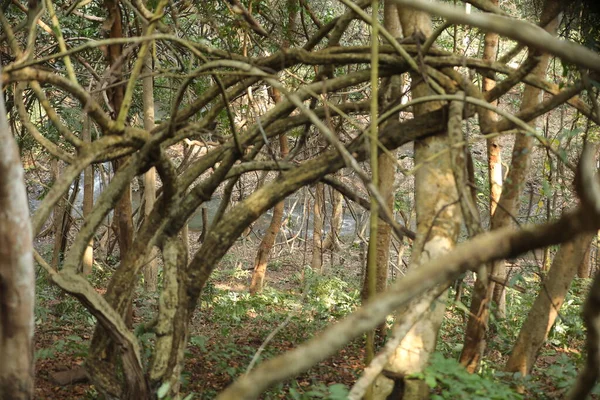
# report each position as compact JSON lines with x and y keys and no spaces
{"x":230,"y":330}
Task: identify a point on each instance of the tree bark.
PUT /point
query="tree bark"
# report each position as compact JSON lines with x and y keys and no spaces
{"x":584,"y":269}
{"x":545,"y":309}
{"x":17,"y":279}
{"x":172,"y":325}
{"x":317,"y":255}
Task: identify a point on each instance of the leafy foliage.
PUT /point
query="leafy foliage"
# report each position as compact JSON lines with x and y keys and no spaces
{"x":450,"y":380}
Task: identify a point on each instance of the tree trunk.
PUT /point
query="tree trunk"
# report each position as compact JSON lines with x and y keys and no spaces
{"x":185,"y":237}
{"x":387,"y":170}
{"x":317,"y":255}
{"x":519,"y":168}
{"x":488,"y":118}
{"x":584,"y":269}
{"x":550,"y":298}
{"x":123,"y":210}
{"x":151,"y":268}
{"x":172,"y":325}
{"x":67,"y":219}
{"x":331,"y":241}
{"x":204,"y":213}
{"x":59,"y":217}
{"x":102,"y":359}
{"x":474,"y":344}
{"x":88,"y":198}
{"x":438,"y":219}
{"x":17,"y":279}
{"x":268,"y":240}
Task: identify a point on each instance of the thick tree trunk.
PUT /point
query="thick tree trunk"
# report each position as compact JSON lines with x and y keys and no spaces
{"x":151,"y":269}
{"x":438,"y":219}
{"x":17,"y":280}
{"x":123,"y":210}
{"x":550,"y":298}
{"x":172,"y":325}
{"x":509,"y":202}
{"x":102,"y":358}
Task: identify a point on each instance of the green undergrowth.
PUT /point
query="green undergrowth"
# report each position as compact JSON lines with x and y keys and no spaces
{"x":447,"y":379}
{"x":559,"y":360}
{"x":231,"y":327}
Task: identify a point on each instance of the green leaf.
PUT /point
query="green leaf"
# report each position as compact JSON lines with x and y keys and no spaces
{"x":430,"y":381}
{"x":338,"y":391}
{"x":295,"y":395}
{"x":199,"y":341}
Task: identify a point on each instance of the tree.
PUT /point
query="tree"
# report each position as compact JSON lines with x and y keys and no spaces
{"x":17,"y":280}
{"x":266,"y":244}
{"x":482,"y":289}
{"x":438,"y":219}
{"x":508,"y":205}
{"x":386,"y":165}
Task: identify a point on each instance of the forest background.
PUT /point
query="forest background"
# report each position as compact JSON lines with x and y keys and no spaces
{"x":299,"y":199}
